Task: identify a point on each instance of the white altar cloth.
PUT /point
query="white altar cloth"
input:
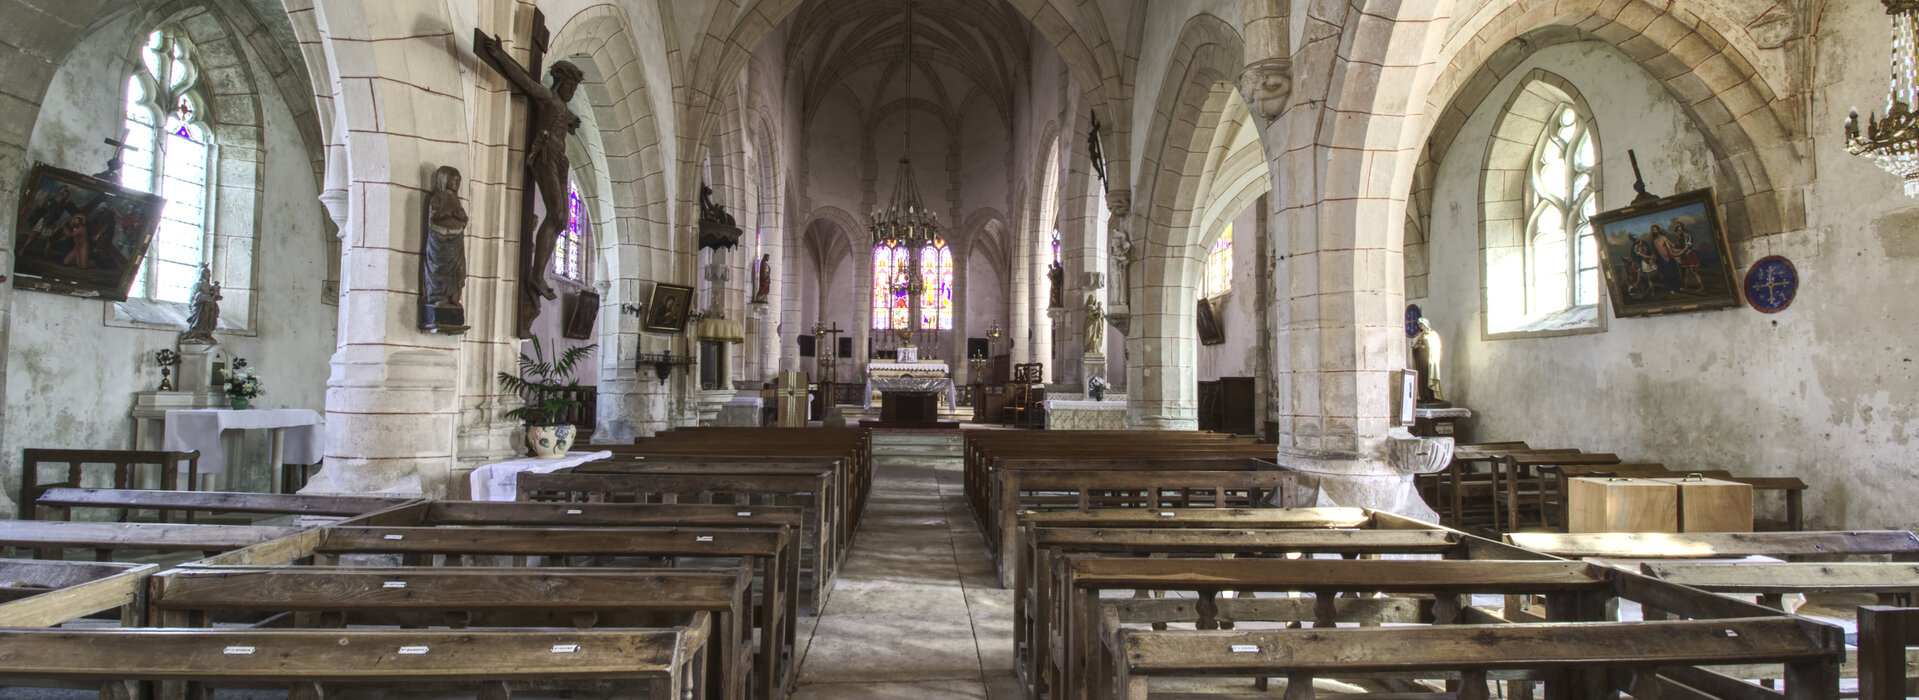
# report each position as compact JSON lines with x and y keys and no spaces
{"x":915,"y":367}
{"x":301,"y":429}
{"x":500,"y":481}
{"x":939,"y":384}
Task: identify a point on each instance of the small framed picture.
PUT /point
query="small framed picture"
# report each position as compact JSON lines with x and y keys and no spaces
{"x":1408,"y":400}
{"x":586,"y":310}
{"x":666,"y":310}
{"x":1209,"y":331}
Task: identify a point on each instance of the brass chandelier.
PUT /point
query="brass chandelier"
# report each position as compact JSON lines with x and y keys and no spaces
{"x":1893,"y":141}
{"x":905,"y":221}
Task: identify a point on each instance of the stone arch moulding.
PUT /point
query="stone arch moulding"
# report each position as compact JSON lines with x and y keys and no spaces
{"x":1753,"y":131}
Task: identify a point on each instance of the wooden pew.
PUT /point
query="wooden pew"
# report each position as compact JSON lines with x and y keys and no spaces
{"x":1018,"y":491}
{"x":106,"y":538}
{"x":1034,"y":596}
{"x":771,"y":553}
{"x":1518,"y":475}
{"x":812,"y":491}
{"x":39,"y":593}
{"x":1707,"y":545}
{"x":983,"y":448}
{"x":476,"y":597}
{"x":1466,"y":489}
{"x":60,"y":502}
{"x":844,"y":485}
{"x":1885,"y":633}
{"x":127,"y":465}
{"x":1462,"y":644}
{"x":668,"y":664}
{"x":855,"y":445}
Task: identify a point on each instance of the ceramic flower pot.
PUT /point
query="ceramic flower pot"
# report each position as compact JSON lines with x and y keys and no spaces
{"x":550,"y":441}
{"x":239,"y":402}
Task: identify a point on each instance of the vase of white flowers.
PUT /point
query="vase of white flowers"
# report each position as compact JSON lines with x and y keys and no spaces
{"x":1096,"y":388}
{"x":241,"y":386}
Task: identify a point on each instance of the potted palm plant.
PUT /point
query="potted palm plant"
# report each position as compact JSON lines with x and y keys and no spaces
{"x":547,"y":400}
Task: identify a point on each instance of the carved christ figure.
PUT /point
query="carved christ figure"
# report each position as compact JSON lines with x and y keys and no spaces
{"x":546,"y":162}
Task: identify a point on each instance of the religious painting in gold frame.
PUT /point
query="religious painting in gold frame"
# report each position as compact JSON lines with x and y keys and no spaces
{"x":1665,"y":256}
{"x":666,"y":310}
{"x":80,"y":235}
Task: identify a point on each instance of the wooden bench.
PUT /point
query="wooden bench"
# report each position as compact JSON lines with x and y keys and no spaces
{"x":1018,"y":491}
{"x":811,"y":491}
{"x":40,"y":593}
{"x":1885,"y":634}
{"x":1707,"y":545}
{"x":60,"y":502}
{"x":129,"y":469}
{"x":772,"y":554}
{"x":844,"y":485}
{"x":1034,"y":596}
{"x":1462,"y":644}
{"x":1466,"y":490}
{"x":48,"y":539}
{"x":668,"y":664}
{"x":981,"y":449}
{"x":855,"y":445}
{"x":464,"y":598}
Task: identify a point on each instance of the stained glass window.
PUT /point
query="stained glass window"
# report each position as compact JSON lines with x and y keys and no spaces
{"x":569,"y":255}
{"x":1562,"y":197}
{"x":891,"y":307}
{"x":1219,"y":264}
{"x":175,"y":150}
{"x":1056,"y":246}
{"x":936,"y":294}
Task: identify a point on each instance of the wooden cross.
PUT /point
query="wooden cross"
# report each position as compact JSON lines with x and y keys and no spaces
{"x":529,"y":225}
{"x":112,"y":173}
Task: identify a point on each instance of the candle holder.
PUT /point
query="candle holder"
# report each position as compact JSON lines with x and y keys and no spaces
{"x":167,"y":359}
{"x":663,"y":363}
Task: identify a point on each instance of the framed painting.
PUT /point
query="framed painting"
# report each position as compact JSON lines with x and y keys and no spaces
{"x":666,"y":310}
{"x":79,"y":235}
{"x":1666,"y":256}
{"x":1209,"y":331}
{"x":586,"y":310}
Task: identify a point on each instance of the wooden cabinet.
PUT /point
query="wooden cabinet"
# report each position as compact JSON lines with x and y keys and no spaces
{"x":1712,"y":505}
{"x":1603,"y":504}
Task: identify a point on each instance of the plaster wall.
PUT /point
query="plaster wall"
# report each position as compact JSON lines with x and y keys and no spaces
{"x":985,"y":296}
{"x":1818,"y":391}
{"x":1237,"y":356}
{"x":71,"y":376}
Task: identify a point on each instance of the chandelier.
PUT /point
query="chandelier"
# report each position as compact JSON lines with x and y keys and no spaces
{"x":1893,"y":142}
{"x":905,"y":221}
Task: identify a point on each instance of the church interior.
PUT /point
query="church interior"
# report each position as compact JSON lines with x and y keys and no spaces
{"x":959,"y":348}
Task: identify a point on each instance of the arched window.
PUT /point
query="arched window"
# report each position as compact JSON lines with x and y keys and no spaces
{"x":1562,"y":257}
{"x":1219,"y":264}
{"x":891,"y":307}
{"x":569,"y":255}
{"x":936,"y":292}
{"x":163,"y":110}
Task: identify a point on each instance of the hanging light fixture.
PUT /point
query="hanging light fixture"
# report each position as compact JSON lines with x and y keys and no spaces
{"x":1893,"y":142}
{"x":905,"y":221}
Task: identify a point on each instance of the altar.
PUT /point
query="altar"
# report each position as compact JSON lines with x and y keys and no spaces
{"x":940,"y":387}
{"x":1077,"y":412}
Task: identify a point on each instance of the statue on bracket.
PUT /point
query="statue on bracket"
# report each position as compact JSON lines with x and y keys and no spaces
{"x":1056,"y":275}
{"x":765,"y":276}
{"x":1119,"y":242}
{"x":443,"y":261}
{"x":1095,"y":326}
{"x":203,"y":313}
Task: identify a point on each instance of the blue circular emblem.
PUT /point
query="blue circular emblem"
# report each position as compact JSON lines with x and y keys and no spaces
{"x":1412,"y":319}
{"x":1771,"y":284}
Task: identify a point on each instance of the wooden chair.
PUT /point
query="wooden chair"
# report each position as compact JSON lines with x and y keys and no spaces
{"x":1019,"y":394}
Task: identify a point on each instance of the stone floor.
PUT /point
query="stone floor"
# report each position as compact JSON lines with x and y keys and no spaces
{"x":917,"y":611}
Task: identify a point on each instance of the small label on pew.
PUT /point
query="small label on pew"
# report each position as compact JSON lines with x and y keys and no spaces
{"x":703,"y":538}
{"x":1245,"y":648}
{"x":396,"y":537}
{"x":237,"y":651}
{"x":413,"y":650}
{"x":744,"y":514}
{"x":565,"y":648}
{"x":574,"y":511}
{"x":1167,"y":514}
{"x":393,"y":584}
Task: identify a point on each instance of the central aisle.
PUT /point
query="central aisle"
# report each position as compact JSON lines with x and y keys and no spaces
{"x":917,"y":611}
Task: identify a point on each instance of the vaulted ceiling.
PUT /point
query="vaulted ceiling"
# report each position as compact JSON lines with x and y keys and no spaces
{"x":857,"y":48}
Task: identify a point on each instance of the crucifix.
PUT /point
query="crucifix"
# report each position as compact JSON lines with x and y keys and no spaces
{"x":112,"y":173}
{"x":549,"y":122}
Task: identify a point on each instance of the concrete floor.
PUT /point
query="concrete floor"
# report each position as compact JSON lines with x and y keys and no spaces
{"x":917,"y":611}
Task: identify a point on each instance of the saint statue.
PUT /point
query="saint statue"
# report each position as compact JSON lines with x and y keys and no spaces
{"x":1056,"y":275}
{"x":204,"y":313}
{"x":1119,"y":242}
{"x":1095,"y":326}
{"x":546,"y":161}
{"x":443,"y":262}
{"x":1428,"y":353}
{"x":765,"y":278}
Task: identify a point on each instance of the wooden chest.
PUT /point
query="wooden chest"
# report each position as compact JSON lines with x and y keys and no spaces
{"x":1712,"y":505}
{"x":1602,"y":504}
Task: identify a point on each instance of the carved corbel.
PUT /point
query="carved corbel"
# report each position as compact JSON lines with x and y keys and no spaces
{"x":1268,"y":87}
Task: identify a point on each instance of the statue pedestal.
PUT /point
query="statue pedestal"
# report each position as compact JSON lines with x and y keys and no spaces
{"x":1438,"y":422}
{"x":1092,"y":365}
